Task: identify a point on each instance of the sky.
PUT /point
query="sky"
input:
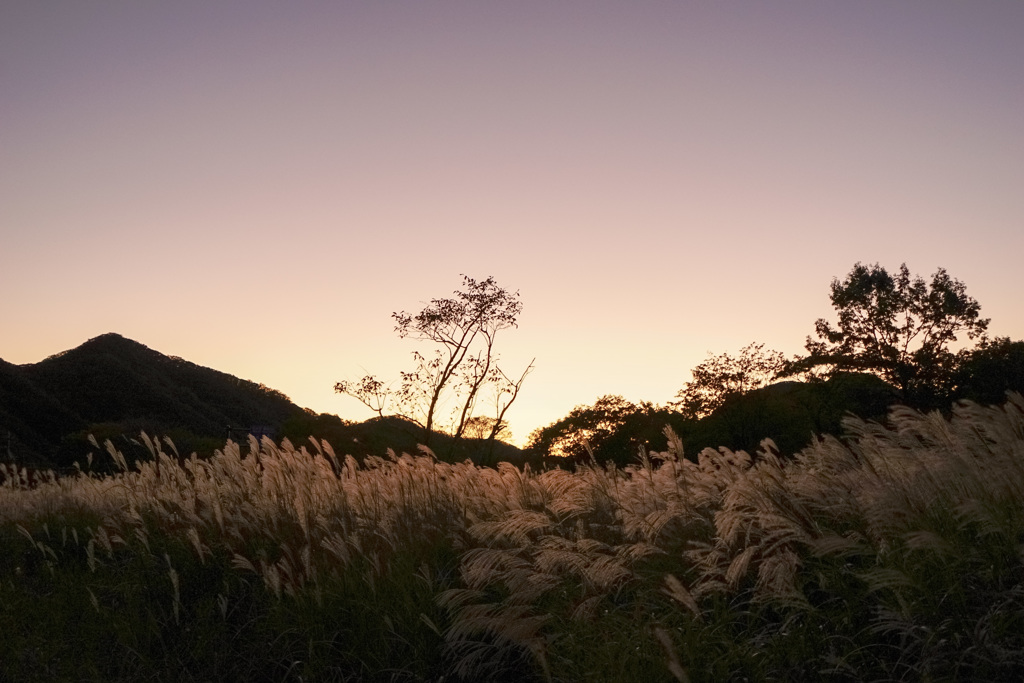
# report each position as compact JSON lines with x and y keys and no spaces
{"x":256,"y":186}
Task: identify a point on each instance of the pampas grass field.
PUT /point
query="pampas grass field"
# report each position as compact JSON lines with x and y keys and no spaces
{"x":896,"y":553}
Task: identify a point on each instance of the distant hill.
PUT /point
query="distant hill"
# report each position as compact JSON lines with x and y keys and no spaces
{"x":112,"y":385}
{"x":791,"y":413}
{"x":112,"y":379}
{"x":114,"y":388}
{"x":32,"y":422}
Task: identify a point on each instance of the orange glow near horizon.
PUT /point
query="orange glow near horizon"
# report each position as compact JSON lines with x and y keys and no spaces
{"x":256,"y":189}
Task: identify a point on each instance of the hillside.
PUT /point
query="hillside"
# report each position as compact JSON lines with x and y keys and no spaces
{"x":114,"y":388}
{"x":112,"y":385}
{"x":111,"y":379}
{"x":31,"y":420}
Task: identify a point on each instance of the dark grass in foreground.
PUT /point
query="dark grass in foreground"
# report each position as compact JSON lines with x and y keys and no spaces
{"x":897,"y":556}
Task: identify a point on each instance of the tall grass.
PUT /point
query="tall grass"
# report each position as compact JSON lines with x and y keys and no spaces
{"x":896,"y":553}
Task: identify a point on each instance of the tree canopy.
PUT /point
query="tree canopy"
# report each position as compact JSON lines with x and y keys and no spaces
{"x":985,"y":374}
{"x":898,"y":327}
{"x":722,"y":376}
{"x":612,"y":429}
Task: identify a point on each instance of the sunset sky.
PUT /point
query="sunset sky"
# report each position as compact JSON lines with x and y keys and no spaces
{"x":256,"y":186}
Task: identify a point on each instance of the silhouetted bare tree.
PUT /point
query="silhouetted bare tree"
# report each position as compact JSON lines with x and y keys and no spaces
{"x":461,"y":371}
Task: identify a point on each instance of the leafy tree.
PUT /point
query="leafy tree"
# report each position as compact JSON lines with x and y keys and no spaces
{"x":722,"y":376}
{"x":460,"y":371}
{"x":613,"y":429}
{"x":577,"y":434}
{"x":644,"y":429}
{"x":481,"y":427}
{"x":897,"y":327}
{"x":986,"y":373}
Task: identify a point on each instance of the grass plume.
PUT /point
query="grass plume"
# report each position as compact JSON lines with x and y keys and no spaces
{"x":895,"y":553}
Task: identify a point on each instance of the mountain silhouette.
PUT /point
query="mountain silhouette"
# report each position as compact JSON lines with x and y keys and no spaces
{"x":114,"y":388}
{"x":111,"y":379}
{"x":32,"y":422}
{"x":111,"y":384}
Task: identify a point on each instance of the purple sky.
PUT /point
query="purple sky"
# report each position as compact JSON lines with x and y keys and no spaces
{"x":256,"y":186}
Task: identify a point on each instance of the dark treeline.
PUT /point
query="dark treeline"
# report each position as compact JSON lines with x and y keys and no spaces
{"x":892,"y":345}
{"x":789,"y":413}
